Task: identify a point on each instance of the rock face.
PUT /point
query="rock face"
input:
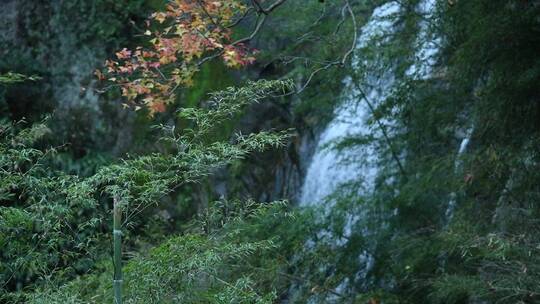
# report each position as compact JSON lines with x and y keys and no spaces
{"x":8,"y":21}
{"x":63,"y":42}
{"x":41,"y":34}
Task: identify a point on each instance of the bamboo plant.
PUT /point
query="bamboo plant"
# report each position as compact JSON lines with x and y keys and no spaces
{"x":117,"y":248}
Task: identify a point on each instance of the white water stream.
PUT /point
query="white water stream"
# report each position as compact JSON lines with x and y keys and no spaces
{"x":330,"y":169}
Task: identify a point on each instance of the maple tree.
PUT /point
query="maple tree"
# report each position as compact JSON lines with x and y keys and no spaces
{"x":178,"y":38}
{"x":189,"y":33}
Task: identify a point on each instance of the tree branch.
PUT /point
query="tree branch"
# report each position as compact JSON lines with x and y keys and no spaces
{"x":382,"y":127}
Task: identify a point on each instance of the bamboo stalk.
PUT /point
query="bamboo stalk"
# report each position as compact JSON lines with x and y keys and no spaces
{"x":117,"y":251}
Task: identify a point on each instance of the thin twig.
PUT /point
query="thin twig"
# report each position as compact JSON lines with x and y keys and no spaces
{"x":246,"y":13}
{"x":382,"y":127}
{"x":338,"y":62}
{"x":353,"y":46}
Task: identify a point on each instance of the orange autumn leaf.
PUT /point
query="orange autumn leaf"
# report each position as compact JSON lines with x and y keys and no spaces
{"x":186,"y":31}
{"x":123,"y":54}
{"x":158,"y":107}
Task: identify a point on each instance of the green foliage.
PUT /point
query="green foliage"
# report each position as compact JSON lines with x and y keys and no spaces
{"x":53,"y":222}
{"x":142,"y":181}
{"x":212,"y":263}
{"x":64,"y":42}
{"x":483,"y":254}
{"x":49,"y":221}
{"x":403,"y":247}
{"x":486,"y":79}
{"x":10,"y":78}
{"x":304,"y":37}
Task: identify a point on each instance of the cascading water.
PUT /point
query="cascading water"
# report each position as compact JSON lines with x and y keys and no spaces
{"x":457,"y":166}
{"x":329,"y":168}
{"x":427,"y":45}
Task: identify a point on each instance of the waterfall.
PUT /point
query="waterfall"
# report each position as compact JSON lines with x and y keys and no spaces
{"x":427,"y":44}
{"x":329,"y":168}
{"x":457,"y":167}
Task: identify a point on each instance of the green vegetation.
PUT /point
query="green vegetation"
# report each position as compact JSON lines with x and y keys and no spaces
{"x":47,"y":209}
{"x":208,"y":188}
